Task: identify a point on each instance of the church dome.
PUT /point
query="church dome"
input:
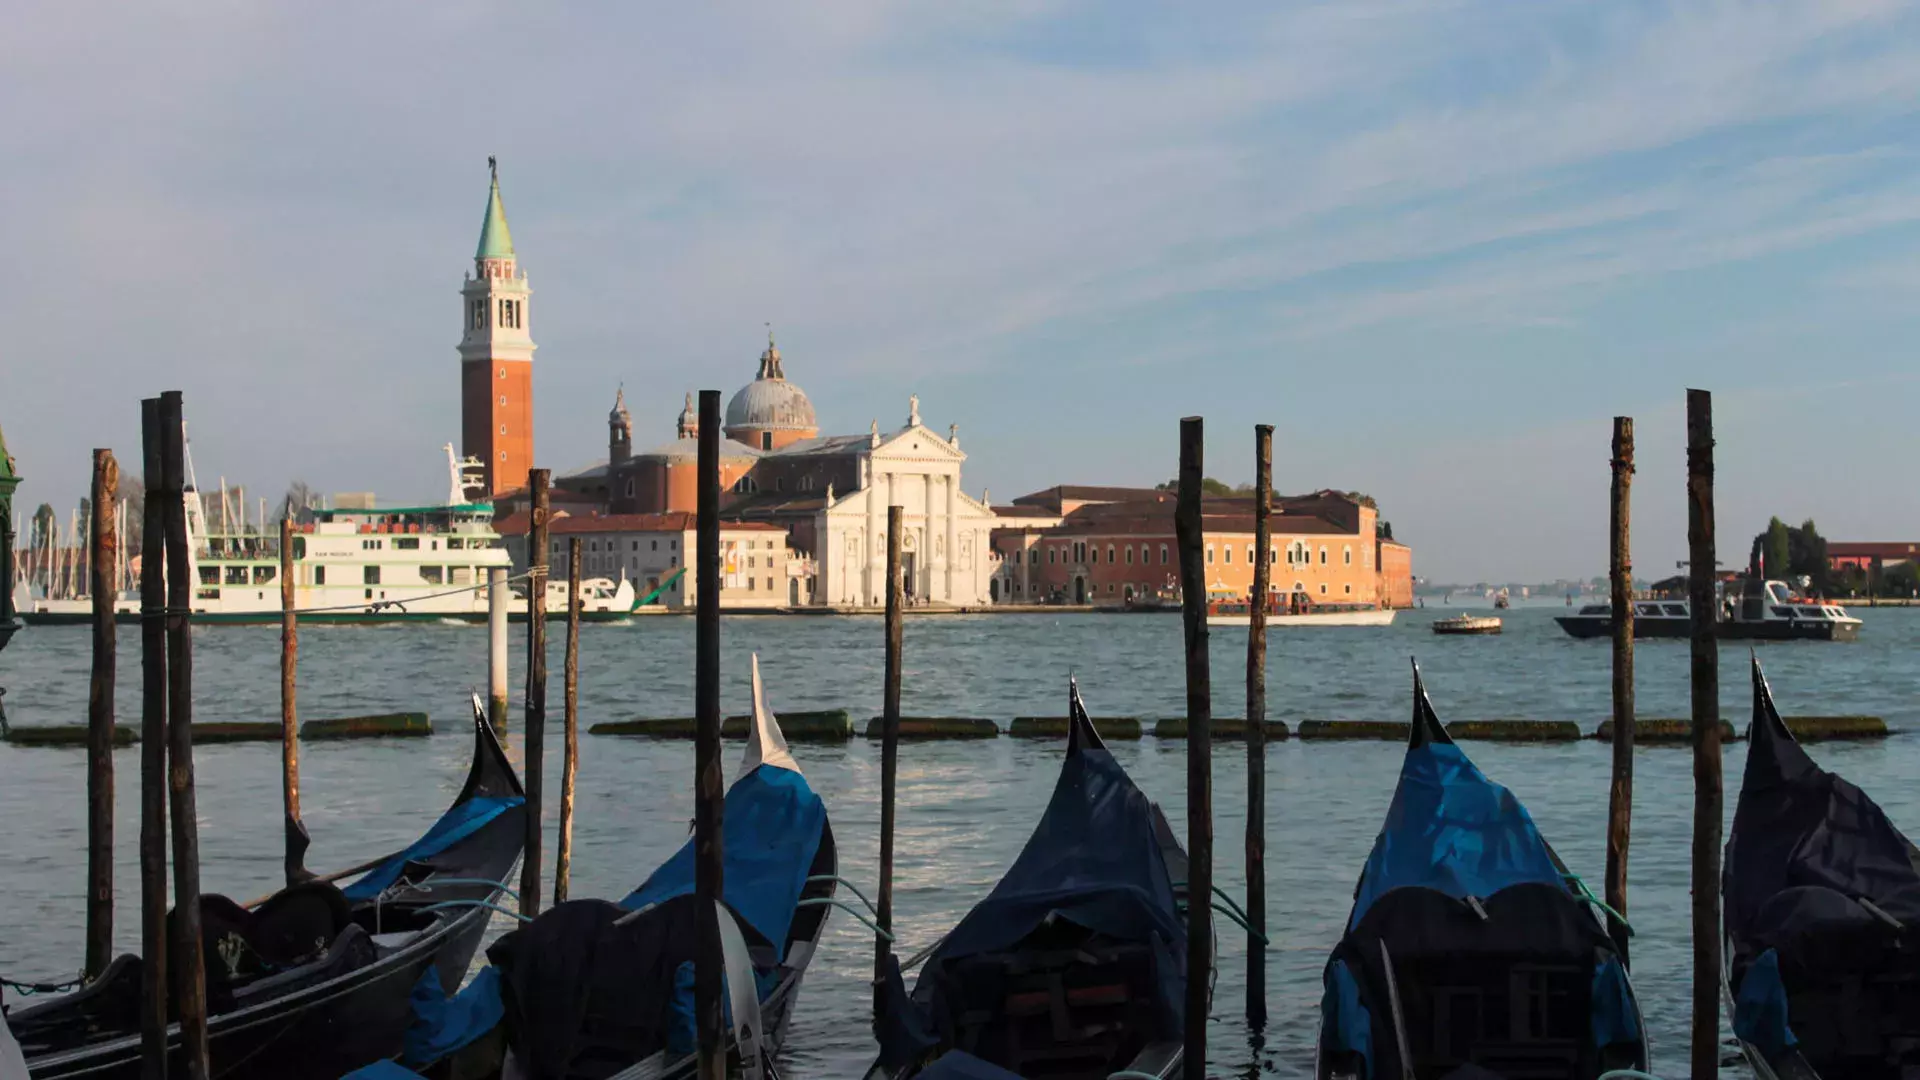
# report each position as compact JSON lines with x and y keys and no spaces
{"x":770,"y":402}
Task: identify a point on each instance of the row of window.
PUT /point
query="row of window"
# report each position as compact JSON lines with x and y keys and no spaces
{"x":1083,"y":552}
{"x":1014,"y":588}
{"x":508,"y":315}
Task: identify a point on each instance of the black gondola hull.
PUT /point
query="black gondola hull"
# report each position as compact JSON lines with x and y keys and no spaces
{"x":1601,"y":626}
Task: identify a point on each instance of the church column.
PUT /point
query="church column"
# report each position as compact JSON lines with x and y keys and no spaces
{"x":953,"y":541}
{"x":876,"y":545}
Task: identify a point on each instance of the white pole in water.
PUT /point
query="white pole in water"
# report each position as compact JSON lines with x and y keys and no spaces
{"x":497,"y":647}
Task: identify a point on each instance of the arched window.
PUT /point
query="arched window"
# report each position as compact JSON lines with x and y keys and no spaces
{"x":1163,"y":554}
{"x":1110,"y":558}
{"x":1323,"y":554}
{"x":1129,"y":554}
{"x":1346,"y":554}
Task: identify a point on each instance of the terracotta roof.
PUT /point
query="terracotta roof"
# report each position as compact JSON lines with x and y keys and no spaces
{"x":1053,"y":496}
{"x":577,"y":524}
{"x":1873,"y":549}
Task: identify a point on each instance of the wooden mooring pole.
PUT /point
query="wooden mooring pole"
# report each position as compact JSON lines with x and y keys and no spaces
{"x":189,"y":963}
{"x":296,"y":830}
{"x":889,"y":758}
{"x":1620,"y":573}
{"x":1193,"y":616}
{"x":497,"y":601}
{"x":535,"y":721}
{"x":709,"y":806}
{"x":105,"y":590}
{"x":1703,"y":604}
{"x":563,"y":859}
{"x":1257,"y":726}
{"x":153,"y":753}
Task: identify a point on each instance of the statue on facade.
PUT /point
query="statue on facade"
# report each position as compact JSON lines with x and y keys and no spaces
{"x":913,"y":410}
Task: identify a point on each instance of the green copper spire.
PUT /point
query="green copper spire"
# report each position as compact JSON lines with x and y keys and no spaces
{"x":495,"y":241}
{"x":8,"y":478}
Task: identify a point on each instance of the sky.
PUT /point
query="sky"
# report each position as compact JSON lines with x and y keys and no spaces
{"x":1438,"y":243}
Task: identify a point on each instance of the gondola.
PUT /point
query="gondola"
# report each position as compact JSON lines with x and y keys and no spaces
{"x":316,"y":979}
{"x":595,"y":989}
{"x":1470,"y":951}
{"x":1821,"y":895}
{"x":1075,"y":966}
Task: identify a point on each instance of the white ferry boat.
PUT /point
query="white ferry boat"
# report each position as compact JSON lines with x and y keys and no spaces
{"x":415,"y":563}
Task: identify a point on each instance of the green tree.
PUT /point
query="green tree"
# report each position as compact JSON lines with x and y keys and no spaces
{"x":42,"y":524}
{"x":1776,"y":555}
{"x":1208,"y":486}
{"x":1811,"y":556}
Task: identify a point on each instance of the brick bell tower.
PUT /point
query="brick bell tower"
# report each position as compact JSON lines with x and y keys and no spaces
{"x":496,"y":355}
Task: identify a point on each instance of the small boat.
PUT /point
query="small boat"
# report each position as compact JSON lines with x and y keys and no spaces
{"x":1470,"y":950}
{"x":315,"y":980}
{"x":1502,"y":600}
{"x":1226,"y":608}
{"x":1468,"y":624}
{"x":1075,"y":966}
{"x":594,"y":989}
{"x":1762,"y":611}
{"x":1822,"y":901}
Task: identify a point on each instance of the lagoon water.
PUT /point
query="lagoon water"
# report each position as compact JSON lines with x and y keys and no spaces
{"x":965,"y":807}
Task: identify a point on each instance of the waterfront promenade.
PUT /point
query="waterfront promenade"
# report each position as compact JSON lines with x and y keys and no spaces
{"x":965,"y":807}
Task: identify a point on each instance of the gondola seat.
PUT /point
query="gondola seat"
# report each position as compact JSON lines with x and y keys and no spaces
{"x":289,"y":930}
{"x":103,"y":1008}
{"x":1076,"y":1005}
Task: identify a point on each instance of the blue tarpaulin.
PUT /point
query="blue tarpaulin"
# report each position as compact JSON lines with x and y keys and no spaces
{"x":1616,"y":1019}
{"x":1760,"y":1007}
{"x":459,"y":822}
{"x":1452,"y":830}
{"x":383,"y":1070}
{"x":772,"y":832}
{"x":443,"y":1024}
{"x":1346,"y":1026}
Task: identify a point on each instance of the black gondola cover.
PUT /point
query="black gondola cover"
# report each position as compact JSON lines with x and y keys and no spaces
{"x":1094,"y":861}
{"x":1806,"y":848}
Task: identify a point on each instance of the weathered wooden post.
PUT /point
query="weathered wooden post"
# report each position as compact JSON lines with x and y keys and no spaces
{"x":709,"y":807}
{"x":563,"y":860}
{"x":1189,"y":532}
{"x":536,"y":703}
{"x":153,"y":751}
{"x":889,"y":758}
{"x":105,"y":555}
{"x":296,"y":830}
{"x":497,"y":600}
{"x":1620,"y":571}
{"x":1257,"y":725}
{"x":190,"y":982}
{"x":1704,"y":608}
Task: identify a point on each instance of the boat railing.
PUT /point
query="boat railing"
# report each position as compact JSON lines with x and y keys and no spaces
{"x":828,"y":901}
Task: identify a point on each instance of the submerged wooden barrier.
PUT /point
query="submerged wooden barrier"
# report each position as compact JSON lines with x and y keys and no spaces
{"x":397,"y":725}
{"x":1663,"y":731}
{"x":1223,"y":728}
{"x":66,"y":735}
{"x":237,"y":731}
{"x":1055,"y":727}
{"x":937,"y":727}
{"x":1524,"y":731}
{"x":1384,"y":730}
{"x":820,"y":725}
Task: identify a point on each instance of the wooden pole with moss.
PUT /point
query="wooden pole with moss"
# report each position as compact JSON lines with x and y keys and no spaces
{"x":1257,"y":726}
{"x":104,"y":558}
{"x":709,"y":807}
{"x":563,"y":859}
{"x":538,"y":481}
{"x":1620,"y":573}
{"x":190,"y":971}
{"x":1187,"y":522}
{"x":153,"y":753}
{"x":889,"y":758}
{"x":1703,"y":604}
{"x":297,"y":839}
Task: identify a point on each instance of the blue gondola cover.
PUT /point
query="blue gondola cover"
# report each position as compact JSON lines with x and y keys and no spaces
{"x":772,"y":831}
{"x":1615,"y":1017}
{"x":1760,"y":1008}
{"x":960,"y":1065}
{"x":458,"y":823}
{"x":1346,"y":1026}
{"x":1452,"y":830}
{"x":443,"y":1024}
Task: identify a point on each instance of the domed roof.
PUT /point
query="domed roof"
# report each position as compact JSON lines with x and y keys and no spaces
{"x":770,"y":402}
{"x":687,"y":451}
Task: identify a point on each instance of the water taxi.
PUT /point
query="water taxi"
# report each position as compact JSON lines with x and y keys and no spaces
{"x":1759,"y":611}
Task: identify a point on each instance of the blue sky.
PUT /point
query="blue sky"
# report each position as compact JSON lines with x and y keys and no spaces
{"x":1439,"y":244}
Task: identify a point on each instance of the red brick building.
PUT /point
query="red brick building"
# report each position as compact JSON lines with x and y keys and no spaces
{"x":1112,"y":546}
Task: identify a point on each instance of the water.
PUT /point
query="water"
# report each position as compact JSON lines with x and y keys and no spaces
{"x":966,"y":807}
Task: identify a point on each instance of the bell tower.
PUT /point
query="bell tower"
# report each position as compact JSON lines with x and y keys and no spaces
{"x":496,"y":355}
